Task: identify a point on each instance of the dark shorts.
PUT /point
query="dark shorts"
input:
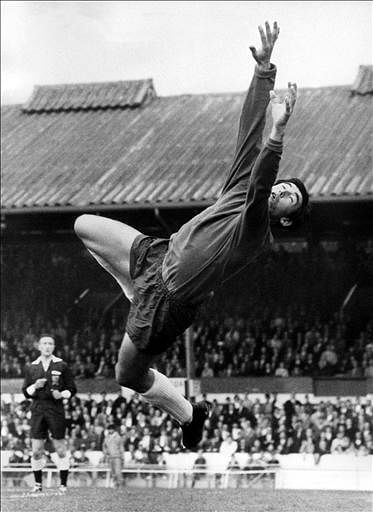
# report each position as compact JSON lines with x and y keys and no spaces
{"x":156,"y":317}
{"x":46,"y":419}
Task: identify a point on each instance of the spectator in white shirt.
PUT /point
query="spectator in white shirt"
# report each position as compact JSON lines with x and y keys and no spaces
{"x":281,"y":370}
{"x":228,"y":446}
{"x":337,"y":443}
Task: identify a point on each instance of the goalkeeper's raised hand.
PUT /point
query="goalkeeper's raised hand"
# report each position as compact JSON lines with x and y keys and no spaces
{"x":268,"y":39}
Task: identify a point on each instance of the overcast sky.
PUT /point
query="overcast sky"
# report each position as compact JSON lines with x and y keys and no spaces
{"x":186,"y":47}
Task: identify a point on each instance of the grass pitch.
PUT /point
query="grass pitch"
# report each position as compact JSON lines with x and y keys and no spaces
{"x":187,"y":500}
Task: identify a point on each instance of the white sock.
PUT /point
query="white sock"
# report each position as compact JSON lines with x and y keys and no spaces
{"x":63,"y":463}
{"x":165,"y":396}
{"x":37,"y":464}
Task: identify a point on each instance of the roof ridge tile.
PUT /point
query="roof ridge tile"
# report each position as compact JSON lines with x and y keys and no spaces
{"x":120,"y":94}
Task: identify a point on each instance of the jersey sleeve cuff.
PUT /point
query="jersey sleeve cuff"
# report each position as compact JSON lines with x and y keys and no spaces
{"x":274,"y":145}
{"x":31,"y":390}
{"x":266,"y":73}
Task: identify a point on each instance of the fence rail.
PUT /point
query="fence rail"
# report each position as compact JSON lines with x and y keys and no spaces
{"x":175,"y":477}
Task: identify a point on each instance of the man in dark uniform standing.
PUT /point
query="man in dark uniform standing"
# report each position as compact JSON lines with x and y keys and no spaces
{"x":167,"y":280}
{"x":47,"y":382}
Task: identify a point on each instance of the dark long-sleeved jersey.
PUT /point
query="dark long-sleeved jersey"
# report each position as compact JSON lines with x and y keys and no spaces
{"x":228,"y":235}
{"x":59,"y":377}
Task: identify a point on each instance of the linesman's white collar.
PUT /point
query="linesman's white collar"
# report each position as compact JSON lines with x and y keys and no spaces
{"x":53,"y":360}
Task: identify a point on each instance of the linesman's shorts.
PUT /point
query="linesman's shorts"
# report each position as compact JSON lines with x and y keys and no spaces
{"x":46,"y":417}
{"x":156,"y":317}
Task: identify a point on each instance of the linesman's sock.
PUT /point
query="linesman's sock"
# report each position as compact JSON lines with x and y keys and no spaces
{"x":64,"y":473}
{"x":165,"y":396}
{"x":38,"y":475}
{"x":63,"y":464}
{"x":37,"y":467}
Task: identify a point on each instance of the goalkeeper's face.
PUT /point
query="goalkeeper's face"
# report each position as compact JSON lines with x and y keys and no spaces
{"x":285,"y":199}
{"x":46,"y":346}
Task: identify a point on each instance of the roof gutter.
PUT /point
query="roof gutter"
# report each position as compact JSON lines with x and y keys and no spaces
{"x":342,"y":199}
{"x":104,"y":207}
{"x":161,"y":205}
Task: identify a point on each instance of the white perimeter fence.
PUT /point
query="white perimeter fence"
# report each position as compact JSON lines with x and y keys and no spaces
{"x":295,"y":471}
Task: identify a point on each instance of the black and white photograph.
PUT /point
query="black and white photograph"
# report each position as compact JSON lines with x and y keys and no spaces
{"x":186,"y":256}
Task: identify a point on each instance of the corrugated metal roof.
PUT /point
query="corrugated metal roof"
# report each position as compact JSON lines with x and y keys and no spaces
{"x":49,"y":98}
{"x":364,"y":81}
{"x":176,"y":151}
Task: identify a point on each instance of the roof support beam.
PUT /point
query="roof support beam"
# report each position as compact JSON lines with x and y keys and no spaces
{"x":162,"y":222}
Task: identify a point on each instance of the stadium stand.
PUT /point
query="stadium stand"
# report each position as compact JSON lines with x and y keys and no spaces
{"x":285,"y":328}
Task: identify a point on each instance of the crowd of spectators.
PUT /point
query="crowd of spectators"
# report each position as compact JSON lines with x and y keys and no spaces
{"x":283,"y":322}
{"x":260,"y":428}
{"x":228,"y":347}
{"x":282,"y":347}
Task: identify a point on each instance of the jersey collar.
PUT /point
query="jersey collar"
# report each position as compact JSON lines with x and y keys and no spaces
{"x":55,"y":359}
